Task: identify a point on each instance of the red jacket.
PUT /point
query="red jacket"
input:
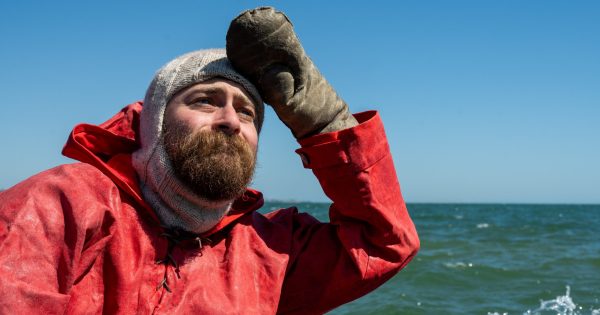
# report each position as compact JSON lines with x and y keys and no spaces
{"x":79,"y":238}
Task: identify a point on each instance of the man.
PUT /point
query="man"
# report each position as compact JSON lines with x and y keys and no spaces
{"x":158,"y":219}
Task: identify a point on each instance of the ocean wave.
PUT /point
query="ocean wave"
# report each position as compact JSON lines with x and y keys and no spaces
{"x":454,"y":265}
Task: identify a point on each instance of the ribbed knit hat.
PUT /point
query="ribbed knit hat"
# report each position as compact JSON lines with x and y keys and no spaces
{"x":174,"y":203}
{"x":189,"y":69}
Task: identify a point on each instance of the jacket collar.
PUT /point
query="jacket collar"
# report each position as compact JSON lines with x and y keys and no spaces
{"x":109,"y":146}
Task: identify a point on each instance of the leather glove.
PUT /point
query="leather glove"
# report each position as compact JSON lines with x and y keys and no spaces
{"x":262,"y":46}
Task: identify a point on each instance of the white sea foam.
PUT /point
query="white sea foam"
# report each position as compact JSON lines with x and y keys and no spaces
{"x":483,"y":226}
{"x":460,"y":264}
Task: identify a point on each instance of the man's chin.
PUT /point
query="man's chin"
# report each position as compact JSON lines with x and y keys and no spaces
{"x":217,"y":195}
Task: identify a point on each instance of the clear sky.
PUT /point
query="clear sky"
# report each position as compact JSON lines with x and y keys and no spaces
{"x":483,"y":101}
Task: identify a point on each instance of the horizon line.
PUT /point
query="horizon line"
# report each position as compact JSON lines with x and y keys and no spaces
{"x":459,"y":202}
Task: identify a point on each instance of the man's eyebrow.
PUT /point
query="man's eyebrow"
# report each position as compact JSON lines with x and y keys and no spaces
{"x":215,"y":90}
{"x":245,"y":98}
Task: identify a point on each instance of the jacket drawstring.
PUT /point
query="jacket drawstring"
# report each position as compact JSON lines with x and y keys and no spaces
{"x":174,"y":237}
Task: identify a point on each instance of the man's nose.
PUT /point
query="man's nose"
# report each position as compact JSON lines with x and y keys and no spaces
{"x":227,"y":120}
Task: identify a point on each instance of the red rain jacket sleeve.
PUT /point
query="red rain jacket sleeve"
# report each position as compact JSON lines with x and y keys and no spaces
{"x":370,"y":236}
{"x":52,"y":227}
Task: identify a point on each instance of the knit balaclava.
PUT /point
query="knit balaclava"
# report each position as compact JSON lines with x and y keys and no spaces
{"x":174,"y":203}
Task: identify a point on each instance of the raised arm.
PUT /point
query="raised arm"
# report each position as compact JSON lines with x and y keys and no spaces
{"x":370,"y":236}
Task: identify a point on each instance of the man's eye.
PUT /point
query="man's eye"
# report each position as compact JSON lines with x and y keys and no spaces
{"x":247,"y":113}
{"x":202,"y":101}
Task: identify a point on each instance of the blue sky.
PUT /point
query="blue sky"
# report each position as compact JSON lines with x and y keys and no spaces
{"x":483,"y":101}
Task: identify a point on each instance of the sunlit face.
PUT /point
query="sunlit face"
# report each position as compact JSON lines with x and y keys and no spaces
{"x":211,"y":139}
{"x":216,"y":104}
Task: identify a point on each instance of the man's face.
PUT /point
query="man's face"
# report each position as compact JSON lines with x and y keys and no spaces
{"x":211,"y":138}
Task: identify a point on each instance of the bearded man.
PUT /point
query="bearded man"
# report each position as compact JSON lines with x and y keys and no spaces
{"x":157,"y":217}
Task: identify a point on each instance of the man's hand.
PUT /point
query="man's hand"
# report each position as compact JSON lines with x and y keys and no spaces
{"x":262,"y":45}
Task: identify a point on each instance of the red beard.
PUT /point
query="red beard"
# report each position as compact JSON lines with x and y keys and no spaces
{"x":212,"y":164}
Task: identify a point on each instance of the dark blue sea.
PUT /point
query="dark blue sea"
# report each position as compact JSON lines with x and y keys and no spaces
{"x":491,"y":259}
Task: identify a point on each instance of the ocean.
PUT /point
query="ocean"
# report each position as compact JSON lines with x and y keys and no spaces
{"x":491,"y":259}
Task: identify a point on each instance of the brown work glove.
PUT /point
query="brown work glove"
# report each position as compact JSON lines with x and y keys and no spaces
{"x":262,"y":45}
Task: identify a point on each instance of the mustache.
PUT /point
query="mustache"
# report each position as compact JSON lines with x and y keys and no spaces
{"x":213,"y":142}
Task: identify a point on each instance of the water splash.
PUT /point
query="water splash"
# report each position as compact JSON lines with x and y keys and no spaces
{"x":561,"y":305}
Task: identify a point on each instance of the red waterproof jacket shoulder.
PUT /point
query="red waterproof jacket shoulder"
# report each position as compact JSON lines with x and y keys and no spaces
{"x":79,"y":239}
